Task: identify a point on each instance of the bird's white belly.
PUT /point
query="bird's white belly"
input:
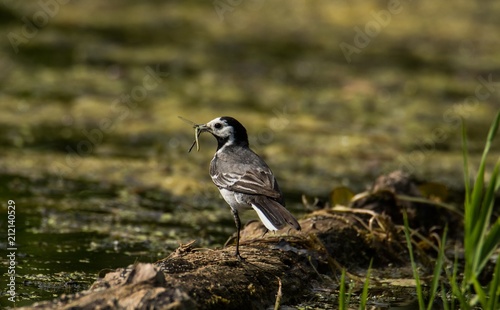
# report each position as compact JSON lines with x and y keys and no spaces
{"x":234,"y":200}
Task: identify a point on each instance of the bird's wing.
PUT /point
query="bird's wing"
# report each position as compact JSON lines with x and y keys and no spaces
{"x":252,"y":181}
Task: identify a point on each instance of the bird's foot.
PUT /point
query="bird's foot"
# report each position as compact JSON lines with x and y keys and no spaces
{"x":239,"y":257}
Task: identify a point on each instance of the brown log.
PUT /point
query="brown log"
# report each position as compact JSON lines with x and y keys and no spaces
{"x":287,"y":262}
{"x":215,"y":279}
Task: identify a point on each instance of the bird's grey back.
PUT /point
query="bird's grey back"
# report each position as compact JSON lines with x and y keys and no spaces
{"x":240,"y":160}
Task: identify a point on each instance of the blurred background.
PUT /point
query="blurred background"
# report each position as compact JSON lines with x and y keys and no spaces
{"x":332,"y":93}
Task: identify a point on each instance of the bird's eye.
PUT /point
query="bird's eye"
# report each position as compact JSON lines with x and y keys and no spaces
{"x":218,"y":126}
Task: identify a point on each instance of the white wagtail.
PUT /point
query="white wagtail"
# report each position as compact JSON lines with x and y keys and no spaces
{"x":243,"y":178}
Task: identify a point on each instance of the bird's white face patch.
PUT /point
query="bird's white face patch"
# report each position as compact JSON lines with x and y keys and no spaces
{"x":221,"y":129}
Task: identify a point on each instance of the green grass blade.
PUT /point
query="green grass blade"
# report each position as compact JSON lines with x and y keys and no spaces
{"x":478,"y":207}
{"x":437,"y":270}
{"x":456,"y":288}
{"x":474,"y":207}
{"x":489,"y":196}
{"x":489,"y":141}
{"x":465,"y":156}
{"x":486,"y":241}
{"x":458,"y":294}
{"x":342,"y":294}
{"x":489,"y":201}
{"x":364,"y":294}
{"x":494,"y":128}
{"x":468,"y":223}
{"x":480,"y":293}
{"x":491,"y":136}
{"x":490,"y":244}
{"x":349,"y":294}
{"x":497,"y":181}
{"x":477,"y":191}
{"x":446,"y":306}
{"x":494,"y":291}
{"x":420,"y":296}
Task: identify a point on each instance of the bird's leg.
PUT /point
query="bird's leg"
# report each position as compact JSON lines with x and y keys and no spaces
{"x":238,"y":228}
{"x":265,"y":232}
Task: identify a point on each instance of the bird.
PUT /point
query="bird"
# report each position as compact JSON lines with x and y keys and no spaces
{"x":243,"y":178}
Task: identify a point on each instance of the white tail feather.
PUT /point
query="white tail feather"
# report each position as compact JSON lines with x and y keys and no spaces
{"x":264,"y":219}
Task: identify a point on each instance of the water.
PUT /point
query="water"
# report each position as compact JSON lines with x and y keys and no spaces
{"x":66,"y":233}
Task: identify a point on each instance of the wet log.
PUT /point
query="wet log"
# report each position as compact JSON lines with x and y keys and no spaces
{"x":281,"y":268}
{"x":193,"y":278}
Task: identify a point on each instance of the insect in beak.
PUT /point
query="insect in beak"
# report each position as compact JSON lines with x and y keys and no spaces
{"x":198,"y":129}
{"x":197,"y":133}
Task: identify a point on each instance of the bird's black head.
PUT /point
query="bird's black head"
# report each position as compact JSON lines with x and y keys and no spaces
{"x":227,"y":131}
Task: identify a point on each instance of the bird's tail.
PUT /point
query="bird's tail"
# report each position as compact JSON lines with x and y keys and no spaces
{"x":272,"y":214}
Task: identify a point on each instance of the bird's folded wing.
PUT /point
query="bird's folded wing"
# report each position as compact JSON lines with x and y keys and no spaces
{"x":251,"y":182}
